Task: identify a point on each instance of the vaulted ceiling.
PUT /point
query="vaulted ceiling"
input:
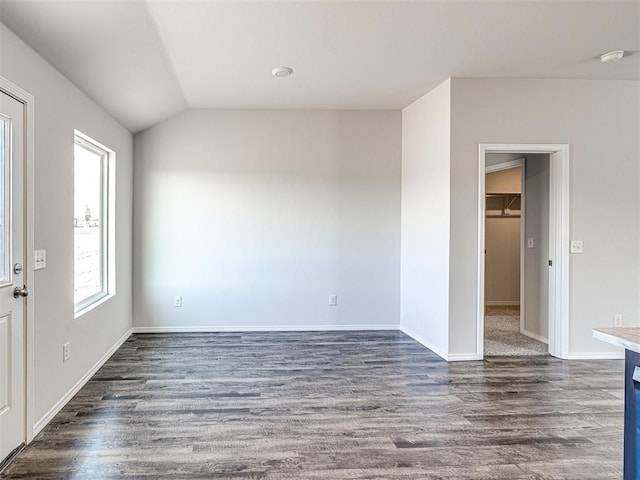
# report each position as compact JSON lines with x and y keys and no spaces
{"x":147,"y":60}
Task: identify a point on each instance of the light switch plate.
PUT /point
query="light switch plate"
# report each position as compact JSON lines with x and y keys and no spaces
{"x":333,"y":300}
{"x":576,"y":246}
{"x":530,"y":242}
{"x":40,"y":259}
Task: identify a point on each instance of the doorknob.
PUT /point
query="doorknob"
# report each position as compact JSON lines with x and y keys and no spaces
{"x":20,"y":292}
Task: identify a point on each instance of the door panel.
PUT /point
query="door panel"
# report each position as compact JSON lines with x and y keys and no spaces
{"x":5,"y":361}
{"x":12,"y":332}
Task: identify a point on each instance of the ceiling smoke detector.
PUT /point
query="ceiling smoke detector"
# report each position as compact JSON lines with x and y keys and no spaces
{"x":613,"y":56}
{"x":280,"y":72}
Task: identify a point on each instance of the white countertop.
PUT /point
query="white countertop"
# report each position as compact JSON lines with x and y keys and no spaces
{"x":627,"y":337}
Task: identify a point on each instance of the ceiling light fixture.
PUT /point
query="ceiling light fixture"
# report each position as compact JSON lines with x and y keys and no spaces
{"x":613,"y":56}
{"x":280,"y":72}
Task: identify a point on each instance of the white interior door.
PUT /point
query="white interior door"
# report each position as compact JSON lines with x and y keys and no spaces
{"x":12,"y":291}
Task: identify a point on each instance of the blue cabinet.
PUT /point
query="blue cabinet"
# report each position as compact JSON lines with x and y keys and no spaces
{"x":631,"y":415}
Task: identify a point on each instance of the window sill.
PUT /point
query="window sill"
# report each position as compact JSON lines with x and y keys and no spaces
{"x":93,"y":305}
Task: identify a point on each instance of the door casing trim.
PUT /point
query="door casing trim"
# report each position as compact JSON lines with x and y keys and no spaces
{"x":558,"y":240}
{"x":28,"y":102}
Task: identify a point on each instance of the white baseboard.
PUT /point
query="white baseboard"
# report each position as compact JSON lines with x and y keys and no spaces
{"x":535,"y":336}
{"x":464,"y":357}
{"x":596,"y":356}
{"x":40,"y":424}
{"x":501,"y":303}
{"x":423,"y":341}
{"x":266,"y":328}
{"x":449,"y":357}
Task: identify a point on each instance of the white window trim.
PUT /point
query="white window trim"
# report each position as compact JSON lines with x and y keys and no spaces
{"x":107,"y":213}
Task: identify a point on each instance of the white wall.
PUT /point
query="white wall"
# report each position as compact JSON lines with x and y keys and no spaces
{"x":59,"y":109}
{"x":503,"y":181}
{"x":600,"y":121}
{"x":502,"y":261}
{"x":425,"y":219}
{"x":256,"y":217}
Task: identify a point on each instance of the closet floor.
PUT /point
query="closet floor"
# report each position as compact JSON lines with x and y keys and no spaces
{"x":502,"y":335}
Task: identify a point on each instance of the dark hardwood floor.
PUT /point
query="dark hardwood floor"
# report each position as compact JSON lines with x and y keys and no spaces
{"x":330,"y":405}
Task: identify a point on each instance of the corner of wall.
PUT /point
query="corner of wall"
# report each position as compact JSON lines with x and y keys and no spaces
{"x":425,"y":219}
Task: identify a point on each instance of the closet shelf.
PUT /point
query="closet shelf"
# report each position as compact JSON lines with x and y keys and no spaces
{"x":503,"y":204}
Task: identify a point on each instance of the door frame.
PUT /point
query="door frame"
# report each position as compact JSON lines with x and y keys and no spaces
{"x":558,"y":240}
{"x":27,"y":101}
{"x":518,"y":162}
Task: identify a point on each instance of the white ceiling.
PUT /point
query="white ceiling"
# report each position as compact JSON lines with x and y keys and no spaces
{"x":145,"y":61}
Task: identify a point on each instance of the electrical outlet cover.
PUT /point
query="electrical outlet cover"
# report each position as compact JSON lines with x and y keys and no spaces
{"x":576,"y":246}
{"x":617,"y":320}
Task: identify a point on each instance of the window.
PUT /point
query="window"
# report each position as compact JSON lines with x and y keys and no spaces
{"x":92,"y":222}
{"x":5,"y":200}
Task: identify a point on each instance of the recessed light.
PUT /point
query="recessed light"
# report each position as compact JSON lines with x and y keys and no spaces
{"x":613,"y":56}
{"x":281,"y":72}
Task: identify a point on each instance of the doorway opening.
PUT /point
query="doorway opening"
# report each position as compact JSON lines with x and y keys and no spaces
{"x":516,"y":253}
{"x":530,"y":312}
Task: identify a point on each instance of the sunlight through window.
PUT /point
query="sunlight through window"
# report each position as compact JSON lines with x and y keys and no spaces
{"x":90,"y":222}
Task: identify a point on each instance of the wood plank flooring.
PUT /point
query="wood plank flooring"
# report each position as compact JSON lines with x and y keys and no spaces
{"x":330,"y":405}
